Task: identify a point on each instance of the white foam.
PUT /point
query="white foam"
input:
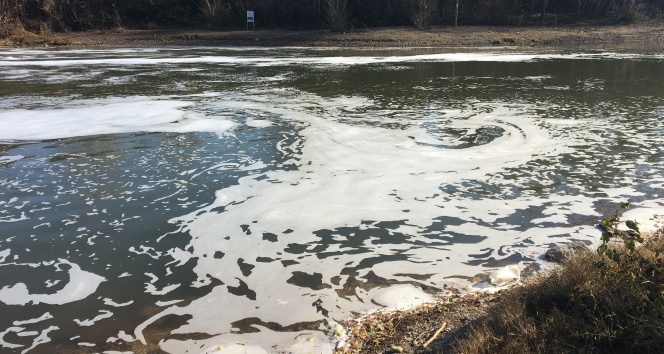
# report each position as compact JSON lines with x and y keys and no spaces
{"x":649,"y":215}
{"x":27,"y":334}
{"x":81,"y":285}
{"x":86,"y":323}
{"x":266,"y":341}
{"x":110,"y":302}
{"x":259,"y":123}
{"x":179,"y":256}
{"x":122,"y":335}
{"x":107,"y":116}
{"x":505,"y":275}
{"x":304,"y":60}
{"x":41,"y":338}
{"x":151,"y":289}
{"x":167,"y":303}
{"x":4,"y":254}
{"x":12,"y":219}
{"x":401,"y":297}
{"x":4,"y":160}
{"x":5,"y":344}
{"x":348,"y":174}
{"x":44,"y":317}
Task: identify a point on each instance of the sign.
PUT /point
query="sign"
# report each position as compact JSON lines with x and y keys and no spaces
{"x":250,"y":19}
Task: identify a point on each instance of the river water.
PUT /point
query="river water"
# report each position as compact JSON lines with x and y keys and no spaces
{"x":196,"y":199}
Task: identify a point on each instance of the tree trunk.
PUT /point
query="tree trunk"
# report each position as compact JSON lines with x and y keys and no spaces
{"x":456,"y":13}
{"x":545,"y":3}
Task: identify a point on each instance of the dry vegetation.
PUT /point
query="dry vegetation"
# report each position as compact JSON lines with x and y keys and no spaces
{"x":408,"y":331}
{"x":592,"y":303}
{"x":354,"y":22}
{"x":38,"y":16}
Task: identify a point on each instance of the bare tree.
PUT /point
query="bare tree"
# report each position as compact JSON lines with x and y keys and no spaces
{"x":10,"y":11}
{"x":213,"y":11}
{"x":336,"y":13}
{"x":456,"y":13}
{"x":424,"y":12}
{"x":545,"y":3}
{"x":209,"y":8}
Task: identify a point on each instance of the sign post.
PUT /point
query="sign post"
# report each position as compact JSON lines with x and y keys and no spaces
{"x":250,"y":18}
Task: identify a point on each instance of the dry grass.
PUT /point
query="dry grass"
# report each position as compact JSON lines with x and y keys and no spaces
{"x":14,"y":34}
{"x":582,"y":307}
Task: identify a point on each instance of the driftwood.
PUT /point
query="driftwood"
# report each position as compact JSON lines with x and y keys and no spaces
{"x":426,"y":344}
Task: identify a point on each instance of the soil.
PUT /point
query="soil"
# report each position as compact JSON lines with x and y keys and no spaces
{"x":579,"y":34}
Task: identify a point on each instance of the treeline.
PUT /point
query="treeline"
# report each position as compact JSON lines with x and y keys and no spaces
{"x":76,"y":15}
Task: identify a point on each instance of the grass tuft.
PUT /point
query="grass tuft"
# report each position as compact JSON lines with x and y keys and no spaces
{"x":591,"y":304}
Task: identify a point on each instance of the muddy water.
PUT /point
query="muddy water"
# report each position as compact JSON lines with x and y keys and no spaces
{"x":194,"y":199}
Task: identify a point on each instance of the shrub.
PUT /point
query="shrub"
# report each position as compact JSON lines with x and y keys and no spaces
{"x":424,"y":12}
{"x":610,"y":302}
{"x":336,"y":12}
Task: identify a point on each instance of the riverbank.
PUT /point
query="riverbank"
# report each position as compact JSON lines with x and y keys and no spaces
{"x":583,"y":34}
{"x":589,"y":302}
{"x":407,"y":331}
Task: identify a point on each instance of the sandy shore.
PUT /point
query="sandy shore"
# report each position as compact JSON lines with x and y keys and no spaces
{"x":643,"y":33}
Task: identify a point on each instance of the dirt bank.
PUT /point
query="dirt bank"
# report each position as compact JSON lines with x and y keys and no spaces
{"x":652,"y":32}
{"x":416,"y":330}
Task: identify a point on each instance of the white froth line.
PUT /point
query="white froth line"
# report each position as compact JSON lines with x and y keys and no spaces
{"x":356,"y":60}
{"x":7,"y":159}
{"x":110,"y":116}
{"x":42,"y":338}
{"x":167,"y":303}
{"x":46,"y":316}
{"x":4,"y":254}
{"x":138,"y":332}
{"x":110,"y":302}
{"x":123,"y":336}
{"x":81,"y":284}
{"x":86,"y":323}
{"x":10,"y":219}
{"x":27,"y":334}
{"x":7,"y":344}
{"x":151,"y":289}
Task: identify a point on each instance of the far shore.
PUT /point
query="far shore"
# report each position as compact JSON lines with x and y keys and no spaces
{"x":642,"y":34}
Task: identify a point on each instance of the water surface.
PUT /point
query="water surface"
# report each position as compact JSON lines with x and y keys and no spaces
{"x":194,"y":198}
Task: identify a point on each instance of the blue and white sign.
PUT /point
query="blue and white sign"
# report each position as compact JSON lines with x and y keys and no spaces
{"x":250,"y":16}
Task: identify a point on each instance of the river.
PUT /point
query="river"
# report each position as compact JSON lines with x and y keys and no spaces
{"x":205,"y":199}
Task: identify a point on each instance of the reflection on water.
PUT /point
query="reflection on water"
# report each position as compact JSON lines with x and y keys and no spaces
{"x":192,"y":199}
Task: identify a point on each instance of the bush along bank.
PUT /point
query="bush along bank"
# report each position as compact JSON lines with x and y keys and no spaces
{"x":42,"y":16}
{"x":608,"y":301}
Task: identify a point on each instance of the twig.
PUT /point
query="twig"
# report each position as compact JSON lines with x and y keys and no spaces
{"x":435,"y":335}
